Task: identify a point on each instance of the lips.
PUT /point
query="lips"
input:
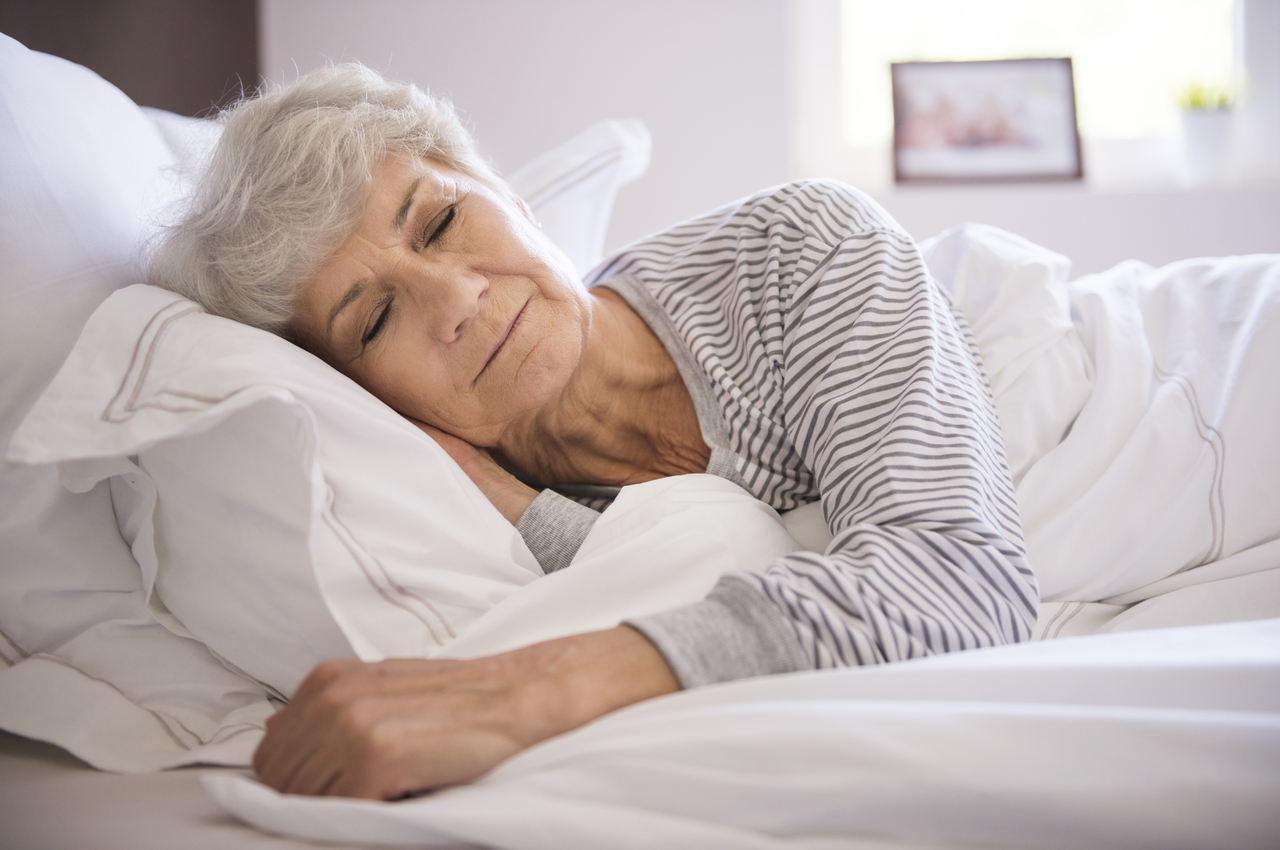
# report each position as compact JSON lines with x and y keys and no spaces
{"x":502,"y":340}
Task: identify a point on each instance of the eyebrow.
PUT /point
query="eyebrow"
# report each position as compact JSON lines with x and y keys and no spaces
{"x":403,"y":212}
{"x":357,"y":289}
{"x":352,"y":294}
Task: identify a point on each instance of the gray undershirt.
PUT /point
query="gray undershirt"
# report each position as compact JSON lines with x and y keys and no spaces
{"x":734,"y":633}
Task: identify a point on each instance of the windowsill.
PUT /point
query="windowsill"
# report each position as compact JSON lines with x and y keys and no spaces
{"x":1078,"y":187}
{"x":1108,"y":217}
{"x":1144,"y":166}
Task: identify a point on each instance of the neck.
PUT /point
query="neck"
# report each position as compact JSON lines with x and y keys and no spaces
{"x":625,"y":416}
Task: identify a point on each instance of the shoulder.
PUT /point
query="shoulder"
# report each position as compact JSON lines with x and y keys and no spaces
{"x":823,"y":206}
{"x":825,"y":210}
{"x":819,"y":213}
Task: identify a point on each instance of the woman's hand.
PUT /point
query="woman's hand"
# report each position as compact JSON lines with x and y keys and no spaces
{"x":508,"y":494}
{"x":396,"y":727}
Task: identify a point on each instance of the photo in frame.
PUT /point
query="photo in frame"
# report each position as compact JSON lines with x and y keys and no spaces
{"x":987,"y":121}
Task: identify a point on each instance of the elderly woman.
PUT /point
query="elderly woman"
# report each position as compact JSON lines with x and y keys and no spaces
{"x":792,"y":342}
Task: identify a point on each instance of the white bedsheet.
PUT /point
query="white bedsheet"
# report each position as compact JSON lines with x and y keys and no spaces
{"x":1162,"y":739}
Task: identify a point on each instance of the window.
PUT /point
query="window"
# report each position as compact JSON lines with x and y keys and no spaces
{"x":1132,"y":58}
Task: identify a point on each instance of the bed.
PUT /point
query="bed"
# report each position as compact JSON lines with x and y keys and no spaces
{"x":195,"y":513}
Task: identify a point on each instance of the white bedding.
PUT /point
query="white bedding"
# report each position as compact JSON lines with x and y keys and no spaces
{"x":1140,"y":416}
{"x":1140,"y":411}
{"x":664,"y":543}
{"x":1151,"y":739}
{"x":1162,"y":739}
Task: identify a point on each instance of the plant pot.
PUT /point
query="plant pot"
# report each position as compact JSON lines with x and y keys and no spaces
{"x":1206,"y":138}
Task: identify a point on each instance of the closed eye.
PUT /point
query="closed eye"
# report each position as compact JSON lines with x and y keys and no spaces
{"x":436,"y":227}
{"x":381,"y":313}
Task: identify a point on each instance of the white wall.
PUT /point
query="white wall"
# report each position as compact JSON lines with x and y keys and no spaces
{"x":708,"y":77}
{"x":712,"y":79}
{"x":1098,"y":228}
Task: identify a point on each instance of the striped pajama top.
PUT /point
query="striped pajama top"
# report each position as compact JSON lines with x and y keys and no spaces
{"x":826,"y":364}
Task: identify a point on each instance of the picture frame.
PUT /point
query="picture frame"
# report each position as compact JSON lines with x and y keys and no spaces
{"x":987,"y":121}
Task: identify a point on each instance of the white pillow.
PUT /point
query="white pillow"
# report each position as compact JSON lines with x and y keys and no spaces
{"x":279,"y":512}
{"x":80,"y":167}
{"x":83,"y":173}
{"x":571,"y":188}
{"x":85,"y":177}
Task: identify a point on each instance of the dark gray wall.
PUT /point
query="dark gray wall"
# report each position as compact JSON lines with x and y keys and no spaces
{"x":182,"y":55}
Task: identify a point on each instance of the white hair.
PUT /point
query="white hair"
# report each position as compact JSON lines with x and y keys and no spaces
{"x":287,"y":184}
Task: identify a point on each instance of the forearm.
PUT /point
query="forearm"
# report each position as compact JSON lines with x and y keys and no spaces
{"x":402,"y":726}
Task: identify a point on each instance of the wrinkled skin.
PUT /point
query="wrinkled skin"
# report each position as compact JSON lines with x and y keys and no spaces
{"x":401,"y":726}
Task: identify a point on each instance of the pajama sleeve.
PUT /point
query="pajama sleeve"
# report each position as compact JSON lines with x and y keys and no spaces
{"x":835,"y":351}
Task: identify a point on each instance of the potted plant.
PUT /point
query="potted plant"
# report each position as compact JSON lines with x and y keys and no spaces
{"x":1206,"y":131}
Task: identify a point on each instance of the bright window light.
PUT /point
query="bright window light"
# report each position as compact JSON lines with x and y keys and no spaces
{"x":1132,"y":58}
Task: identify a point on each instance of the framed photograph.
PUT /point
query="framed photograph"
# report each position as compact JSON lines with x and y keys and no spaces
{"x":972,"y":122}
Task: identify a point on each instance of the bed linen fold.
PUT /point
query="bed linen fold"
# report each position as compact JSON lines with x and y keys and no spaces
{"x":1161,"y":739}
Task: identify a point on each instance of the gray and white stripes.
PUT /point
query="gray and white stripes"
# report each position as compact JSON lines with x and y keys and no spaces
{"x":842,"y":374}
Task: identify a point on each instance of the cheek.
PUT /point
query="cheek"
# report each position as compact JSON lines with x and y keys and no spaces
{"x":556,"y":349}
{"x":407,"y":381}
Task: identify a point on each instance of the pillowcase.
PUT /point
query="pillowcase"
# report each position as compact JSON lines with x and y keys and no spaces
{"x":80,"y":172}
{"x":83,"y":174}
{"x":571,"y":188}
{"x":270,"y":501}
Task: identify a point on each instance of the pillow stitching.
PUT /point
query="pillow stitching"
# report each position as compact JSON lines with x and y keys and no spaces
{"x":7,"y":646}
{"x":1213,"y":437}
{"x":1079,"y":606}
{"x":207,"y":399}
{"x":232,"y":731}
{"x":145,"y":368}
{"x":159,"y":718}
{"x":347,"y":539}
{"x":388,"y":588}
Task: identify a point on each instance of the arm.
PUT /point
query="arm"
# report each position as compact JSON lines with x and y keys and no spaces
{"x":886,"y":409}
{"x":877,"y":398}
{"x":401,"y":726}
{"x":508,"y":494}
{"x":552,"y":525}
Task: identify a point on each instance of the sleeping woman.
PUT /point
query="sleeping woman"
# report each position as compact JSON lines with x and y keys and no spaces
{"x":792,"y":342}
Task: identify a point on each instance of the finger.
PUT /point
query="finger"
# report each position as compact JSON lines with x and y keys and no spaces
{"x":281,"y":753}
{"x":302,"y":752}
{"x":312,"y":774}
{"x":293,"y":730}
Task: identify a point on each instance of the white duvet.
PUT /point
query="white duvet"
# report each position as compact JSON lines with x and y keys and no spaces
{"x":1161,"y":739}
{"x":1140,"y":409}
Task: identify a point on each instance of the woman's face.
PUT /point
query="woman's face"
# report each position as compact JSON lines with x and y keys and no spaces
{"x":447,"y":303}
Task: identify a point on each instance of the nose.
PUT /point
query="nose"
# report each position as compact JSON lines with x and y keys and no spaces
{"x":452,"y":298}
